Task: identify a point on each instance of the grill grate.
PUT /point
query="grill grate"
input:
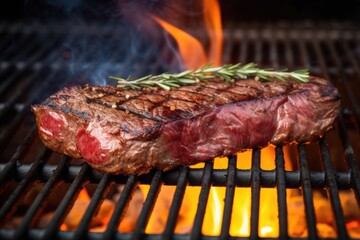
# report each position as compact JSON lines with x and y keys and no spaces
{"x":31,"y":69}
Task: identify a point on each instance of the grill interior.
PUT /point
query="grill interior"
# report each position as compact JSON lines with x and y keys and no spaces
{"x":37,"y":60}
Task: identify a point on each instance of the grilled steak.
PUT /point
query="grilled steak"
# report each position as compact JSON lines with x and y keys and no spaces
{"x":132,"y":131}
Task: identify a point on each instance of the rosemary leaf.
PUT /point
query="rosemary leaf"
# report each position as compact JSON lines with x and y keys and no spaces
{"x":228,"y":72}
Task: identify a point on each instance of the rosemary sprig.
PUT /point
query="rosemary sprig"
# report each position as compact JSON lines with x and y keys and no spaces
{"x":228,"y":72}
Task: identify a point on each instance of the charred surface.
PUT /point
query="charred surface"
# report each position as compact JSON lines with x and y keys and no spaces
{"x":127,"y":131}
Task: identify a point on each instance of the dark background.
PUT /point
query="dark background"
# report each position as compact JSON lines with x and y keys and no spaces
{"x":232,"y":10}
{"x":291,"y":10}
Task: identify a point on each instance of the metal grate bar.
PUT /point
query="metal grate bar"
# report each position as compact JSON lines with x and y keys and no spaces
{"x":5,"y":41}
{"x":274,"y":58}
{"x":26,"y":50}
{"x":329,"y":171}
{"x":36,"y":208}
{"x":289,"y":52}
{"x":348,"y":150}
{"x":25,"y":42}
{"x":66,"y":203}
{"x":244,"y":44}
{"x":5,"y":84}
{"x":243,"y":177}
{"x":203,"y":199}
{"x":333,"y":190}
{"x":13,"y":125}
{"x":319,"y":56}
{"x":350,"y":56}
{"x":95,"y":202}
{"x":24,"y":145}
{"x":9,"y":206}
{"x":228,"y":48}
{"x":307,"y":193}
{"x":229,"y":197}
{"x":120,"y":207}
{"x":255,"y":194}
{"x":148,"y":206}
{"x":259,"y":53}
{"x":350,"y":158}
{"x":10,"y":102}
{"x":25,"y":88}
{"x":175,"y":205}
{"x":35,"y":57}
{"x":281,"y":192}
{"x":350,"y":94}
{"x":303,"y":52}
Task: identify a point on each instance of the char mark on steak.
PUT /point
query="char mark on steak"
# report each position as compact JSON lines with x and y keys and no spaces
{"x":132,"y":131}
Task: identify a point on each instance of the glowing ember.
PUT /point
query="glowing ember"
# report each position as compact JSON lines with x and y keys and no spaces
{"x":98,"y":222}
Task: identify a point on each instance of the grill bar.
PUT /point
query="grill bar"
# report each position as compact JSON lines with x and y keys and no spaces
{"x":320,"y":57}
{"x":10,"y":166}
{"x":243,"y":46}
{"x":228,"y":48}
{"x":258,"y":55}
{"x":267,"y":177}
{"x":126,"y":194}
{"x":350,"y":158}
{"x":229,"y":197}
{"x":333,"y":191}
{"x":355,"y":65}
{"x":307,"y":192}
{"x":348,"y":150}
{"x":304,"y":52}
{"x":5,"y":135}
{"x":66,"y":203}
{"x":203,"y":198}
{"x":289,"y":51}
{"x":25,"y":109}
{"x":8,"y":208}
{"x":255,"y":194}
{"x":281,"y":192}
{"x":148,"y":206}
{"x":175,"y":205}
{"x":24,"y":112}
{"x":273,"y":55}
{"x":43,"y":51}
{"x":35,"y":209}
{"x":95,"y":202}
{"x":9,"y":80}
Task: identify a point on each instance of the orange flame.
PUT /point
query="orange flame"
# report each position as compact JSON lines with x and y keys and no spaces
{"x":212,"y":17}
{"x":191,"y":50}
{"x":240,"y":219}
{"x":98,"y":222}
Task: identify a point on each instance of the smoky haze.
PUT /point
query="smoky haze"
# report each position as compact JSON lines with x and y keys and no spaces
{"x":98,"y":39}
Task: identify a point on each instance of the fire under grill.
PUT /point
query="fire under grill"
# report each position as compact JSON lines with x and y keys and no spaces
{"x":39,"y":187}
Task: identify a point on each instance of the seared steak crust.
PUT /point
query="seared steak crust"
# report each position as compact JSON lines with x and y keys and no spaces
{"x":131,"y":131}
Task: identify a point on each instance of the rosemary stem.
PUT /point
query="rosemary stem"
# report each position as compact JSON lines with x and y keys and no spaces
{"x":228,"y":72}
